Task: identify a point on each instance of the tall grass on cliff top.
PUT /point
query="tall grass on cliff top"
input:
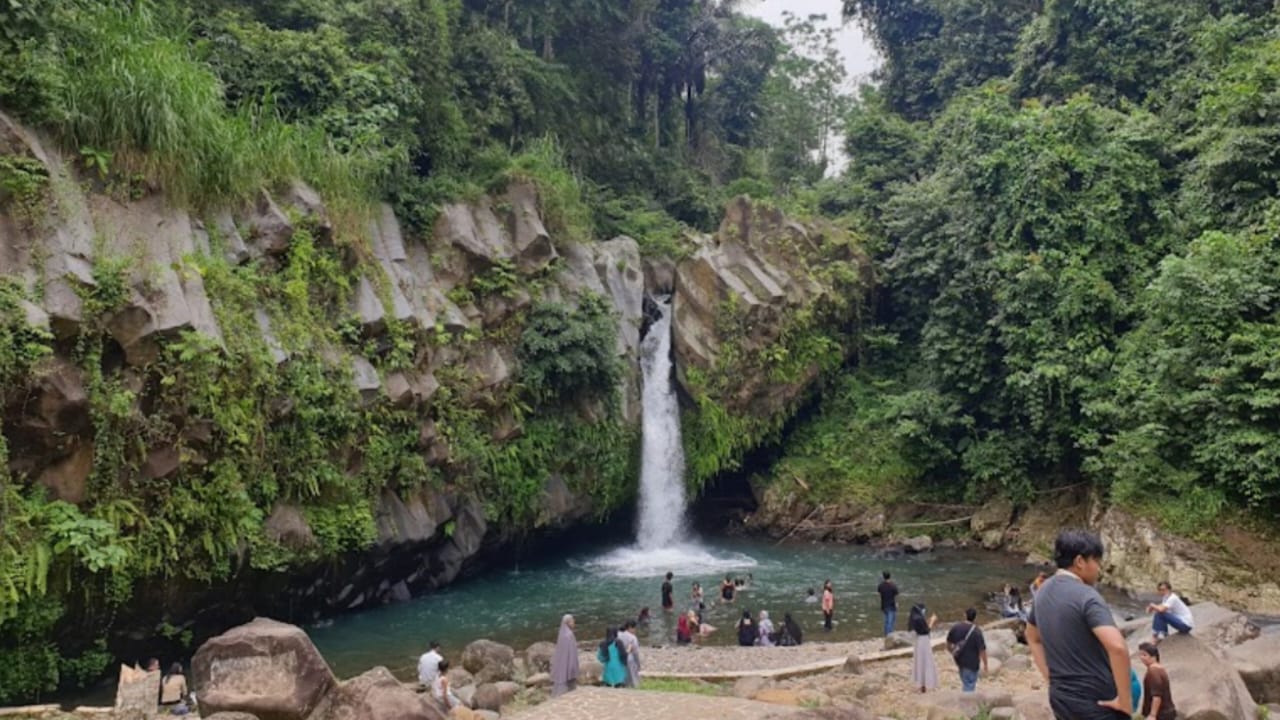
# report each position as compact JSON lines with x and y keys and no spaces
{"x":130,"y":86}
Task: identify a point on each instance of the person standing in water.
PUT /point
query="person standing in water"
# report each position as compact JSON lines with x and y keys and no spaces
{"x":668,"y":603}
{"x":564,"y":663}
{"x":888,"y":591}
{"x":727,"y":589}
{"x":746,"y":630}
{"x":828,"y":605}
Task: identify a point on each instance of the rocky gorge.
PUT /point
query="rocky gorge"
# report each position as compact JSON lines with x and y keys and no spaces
{"x":288,"y":409}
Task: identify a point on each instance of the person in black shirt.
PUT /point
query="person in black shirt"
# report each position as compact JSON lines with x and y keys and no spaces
{"x":746,"y":630}
{"x":667,"y":602}
{"x":888,"y":602}
{"x":969,"y":648}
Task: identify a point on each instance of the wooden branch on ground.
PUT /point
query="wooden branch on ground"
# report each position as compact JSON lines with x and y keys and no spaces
{"x":955,"y":521}
{"x":797,"y":527}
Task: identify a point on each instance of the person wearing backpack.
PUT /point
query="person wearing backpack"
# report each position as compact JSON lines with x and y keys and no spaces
{"x":969,"y":648}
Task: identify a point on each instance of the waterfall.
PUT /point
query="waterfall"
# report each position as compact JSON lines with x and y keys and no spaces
{"x":662,"y":499}
{"x":663,"y":541}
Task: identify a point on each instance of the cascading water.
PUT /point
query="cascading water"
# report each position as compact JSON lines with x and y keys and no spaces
{"x":663,"y":543}
{"x":662,"y":502}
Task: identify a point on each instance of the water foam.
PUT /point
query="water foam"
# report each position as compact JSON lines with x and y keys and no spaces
{"x":682,"y":559}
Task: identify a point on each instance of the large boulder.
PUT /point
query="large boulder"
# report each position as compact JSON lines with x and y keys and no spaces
{"x":918,"y":544}
{"x":267,"y":668}
{"x":377,"y":695}
{"x":1205,"y":686}
{"x":489,"y":661}
{"x":899,"y":639}
{"x":487,"y":697}
{"x":538,"y":656}
{"x":954,"y":703}
{"x":1258,"y":662}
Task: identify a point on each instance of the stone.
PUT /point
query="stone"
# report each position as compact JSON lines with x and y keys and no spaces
{"x":659,"y":275}
{"x":589,"y":671}
{"x":777,"y":696}
{"x":1017,"y":663}
{"x":463,"y":713}
{"x":538,"y":656}
{"x":868,"y":689}
{"x":507,"y":690}
{"x":489,"y":661}
{"x":1205,"y":685}
{"x":954,"y":703}
{"x":136,"y":693}
{"x":368,"y":308}
{"x":399,"y":390}
{"x":270,"y":230}
{"x":161,"y":462}
{"x":532,"y":242}
{"x":1258,"y":663}
{"x":68,"y":478}
{"x":459,"y":677}
{"x":366,"y":378}
{"x":288,"y":526}
{"x":541,"y":679}
{"x":918,"y":544}
{"x":992,"y":539}
{"x":230,"y":716}
{"x":376,"y":695}
{"x":994,"y":665}
{"x":747,"y":687}
{"x":1003,"y":713}
{"x":487,"y":697}
{"x":995,"y":515}
{"x":899,"y":639}
{"x":486,"y":714}
{"x":837,"y":712}
{"x":852,"y":665}
{"x":267,"y":668}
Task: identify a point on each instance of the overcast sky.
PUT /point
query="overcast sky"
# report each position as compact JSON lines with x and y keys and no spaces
{"x":859,"y":57}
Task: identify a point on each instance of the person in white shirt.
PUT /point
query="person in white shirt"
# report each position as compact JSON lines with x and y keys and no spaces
{"x":1170,"y":612}
{"x":429,"y":664}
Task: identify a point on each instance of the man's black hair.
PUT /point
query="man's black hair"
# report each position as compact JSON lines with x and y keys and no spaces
{"x":1165,"y":584}
{"x":1074,"y":543}
{"x":886,"y":574}
{"x":971,"y":614}
{"x":434,"y":644}
{"x":669,"y":576}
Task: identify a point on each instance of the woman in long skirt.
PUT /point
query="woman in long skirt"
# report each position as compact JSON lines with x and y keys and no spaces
{"x":924,"y":672}
{"x":564,"y":663}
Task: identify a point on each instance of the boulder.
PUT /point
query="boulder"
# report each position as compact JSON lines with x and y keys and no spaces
{"x":899,"y":639}
{"x":230,"y":716}
{"x":949,"y":704}
{"x":532,"y":242}
{"x":589,"y":671}
{"x":463,"y":713}
{"x":1205,"y":686}
{"x":489,"y":661}
{"x":465,"y":693}
{"x":918,"y":544}
{"x":267,"y":668}
{"x":852,"y":665}
{"x":487,"y":714}
{"x":68,"y":478}
{"x":377,"y":695}
{"x":287,"y":526}
{"x":507,"y":690}
{"x":541,"y":679}
{"x":994,"y":665}
{"x":487,"y":697}
{"x":837,"y":712}
{"x":995,"y":515}
{"x":270,"y":230}
{"x":747,"y":687}
{"x":538,"y":656}
{"x":459,"y":677}
{"x":1258,"y":662}
{"x":1017,"y":663}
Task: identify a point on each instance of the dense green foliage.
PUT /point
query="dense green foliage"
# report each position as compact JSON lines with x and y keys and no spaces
{"x":1075,"y":202}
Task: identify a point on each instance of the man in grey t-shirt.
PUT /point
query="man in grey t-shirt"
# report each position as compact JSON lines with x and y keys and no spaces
{"x":1074,"y":639}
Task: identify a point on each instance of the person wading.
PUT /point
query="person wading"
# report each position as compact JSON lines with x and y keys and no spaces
{"x":828,"y":605}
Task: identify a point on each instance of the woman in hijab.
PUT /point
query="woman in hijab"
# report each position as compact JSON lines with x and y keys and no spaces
{"x":765,"y":636}
{"x":564,"y":663}
{"x":791,"y":632}
{"x":746,"y":630}
{"x":612,"y":654}
{"x":924,"y":672}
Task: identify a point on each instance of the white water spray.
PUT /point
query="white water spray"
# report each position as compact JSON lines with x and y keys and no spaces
{"x":662,"y":501}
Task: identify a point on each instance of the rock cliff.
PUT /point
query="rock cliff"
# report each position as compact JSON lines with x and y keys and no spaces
{"x":284,"y":409}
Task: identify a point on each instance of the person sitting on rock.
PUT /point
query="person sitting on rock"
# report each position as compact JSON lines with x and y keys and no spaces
{"x":1157,"y":697}
{"x":764,"y":630}
{"x":1170,"y":612}
{"x":429,"y":664}
{"x":173,"y":691}
{"x":791,"y":633}
{"x":440,"y":689}
{"x":746,"y":630}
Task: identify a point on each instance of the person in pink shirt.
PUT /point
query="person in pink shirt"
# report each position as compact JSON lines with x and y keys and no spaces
{"x":828,"y":604}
